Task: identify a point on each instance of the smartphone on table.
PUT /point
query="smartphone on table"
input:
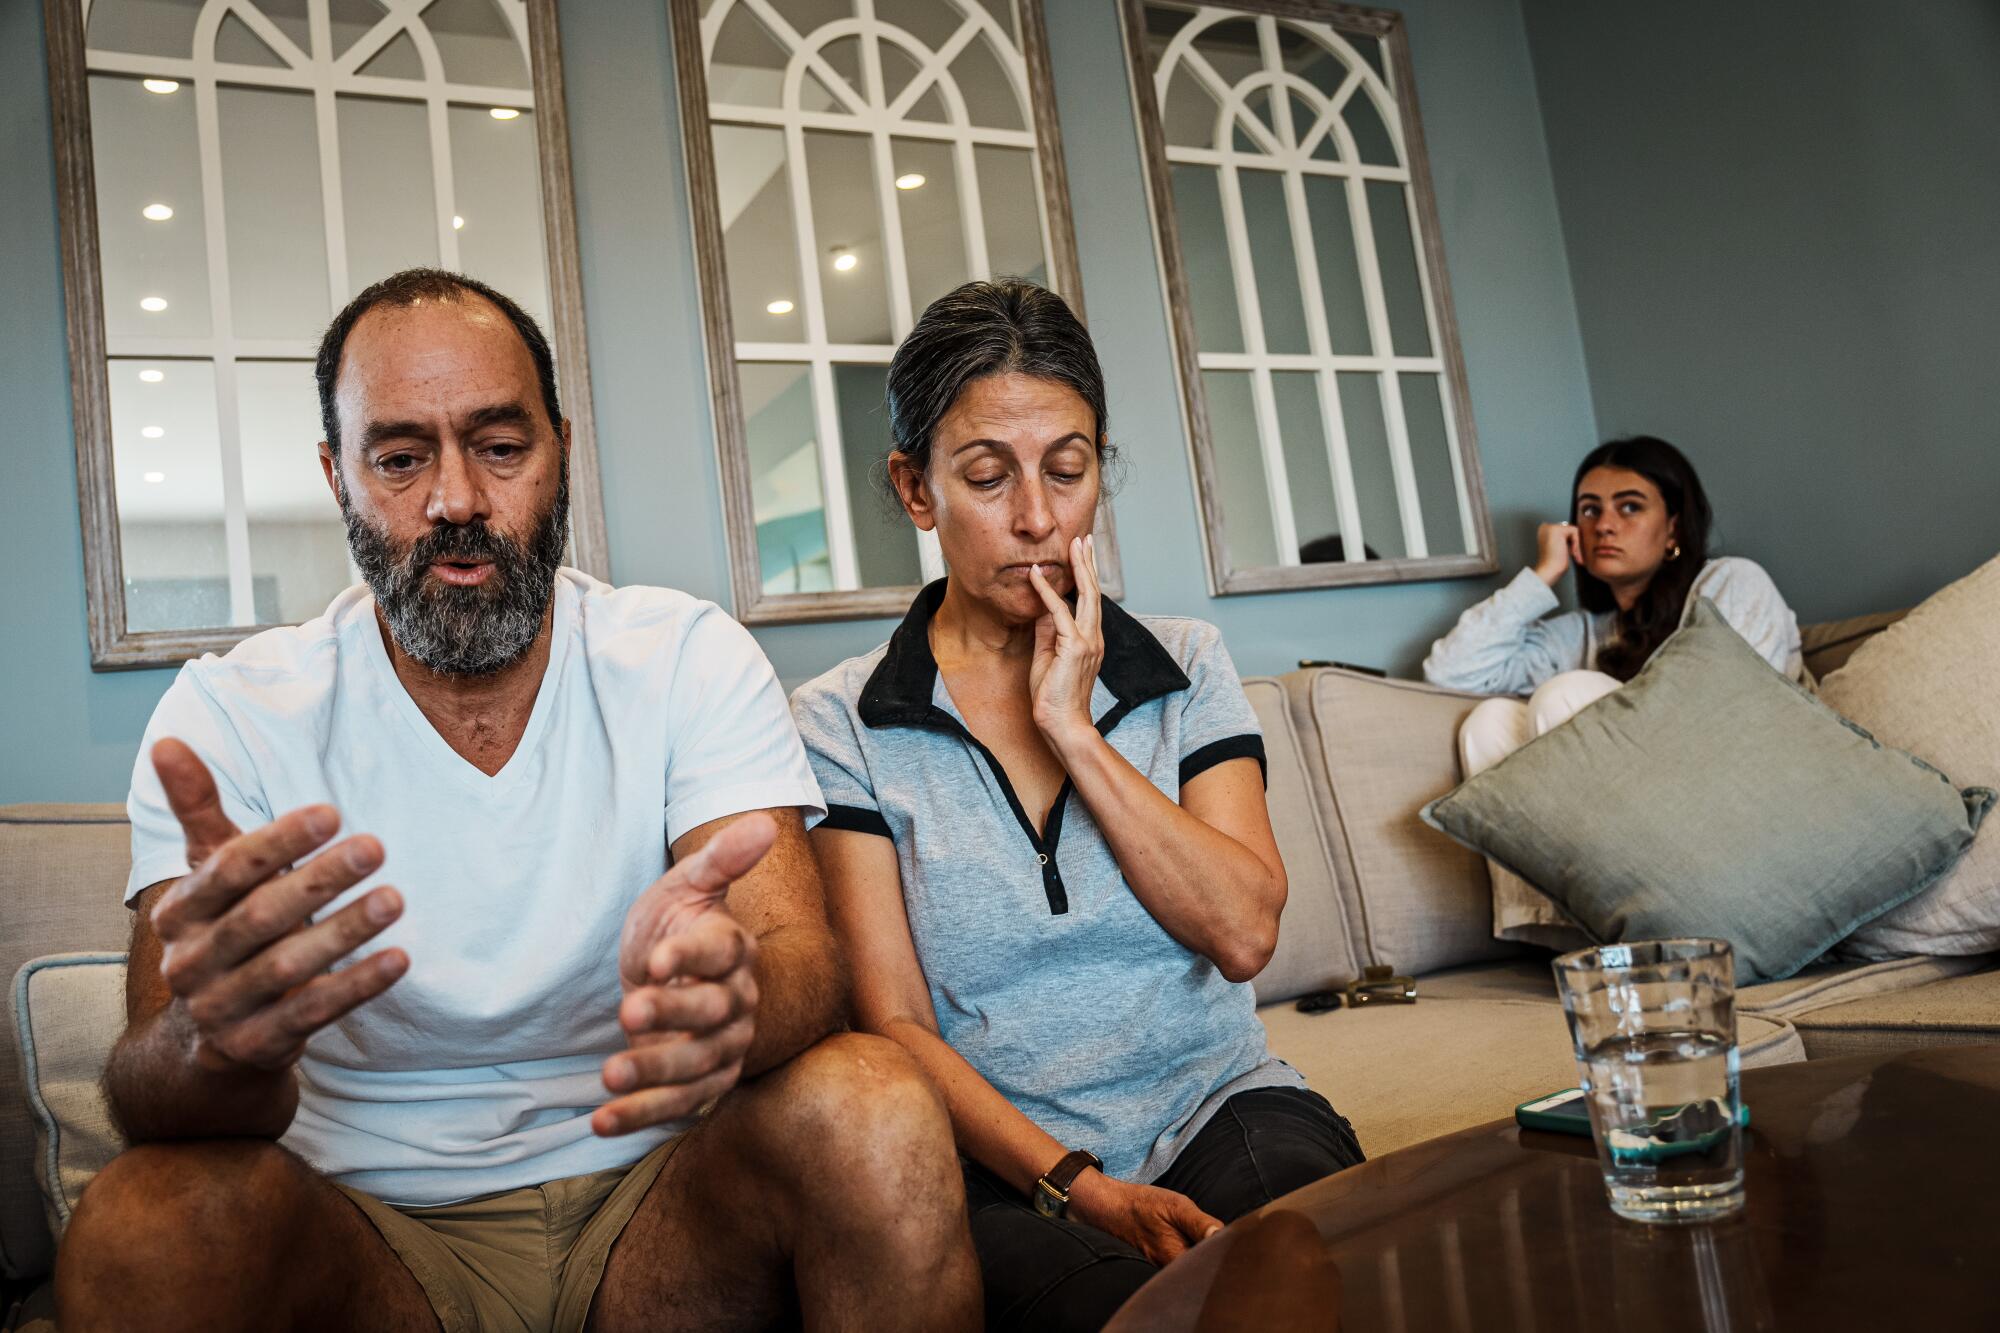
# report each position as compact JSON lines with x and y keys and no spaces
{"x":1568,"y":1112}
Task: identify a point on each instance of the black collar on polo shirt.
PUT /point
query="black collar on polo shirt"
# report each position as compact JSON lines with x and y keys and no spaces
{"x":1136,"y":669}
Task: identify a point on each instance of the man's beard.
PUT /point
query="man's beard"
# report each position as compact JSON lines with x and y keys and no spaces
{"x":454,"y":630}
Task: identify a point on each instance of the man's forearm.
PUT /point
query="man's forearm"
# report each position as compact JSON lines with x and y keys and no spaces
{"x":157,"y":1091}
{"x":801,"y":995}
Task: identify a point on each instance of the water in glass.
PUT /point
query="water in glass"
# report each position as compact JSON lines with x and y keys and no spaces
{"x":1664,"y":1112}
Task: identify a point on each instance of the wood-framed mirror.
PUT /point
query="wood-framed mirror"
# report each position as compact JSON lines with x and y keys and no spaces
{"x":231,"y":173}
{"x":1316,"y":345}
{"x":849,"y":161}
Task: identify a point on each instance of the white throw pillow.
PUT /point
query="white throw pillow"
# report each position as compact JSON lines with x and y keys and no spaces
{"x":1930,"y":684}
{"x":69,"y":1008}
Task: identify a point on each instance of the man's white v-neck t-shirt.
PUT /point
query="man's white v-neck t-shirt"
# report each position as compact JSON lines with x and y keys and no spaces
{"x":478,"y":1071}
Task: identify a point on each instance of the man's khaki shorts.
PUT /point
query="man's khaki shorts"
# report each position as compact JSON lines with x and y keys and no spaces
{"x":529,"y":1259}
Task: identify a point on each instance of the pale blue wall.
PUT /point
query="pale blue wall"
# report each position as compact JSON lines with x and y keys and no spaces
{"x":1783,"y":222}
{"x":68,"y":734}
{"x":65,"y":733}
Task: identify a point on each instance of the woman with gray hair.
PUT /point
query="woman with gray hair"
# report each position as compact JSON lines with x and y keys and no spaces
{"x":1046,"y":849}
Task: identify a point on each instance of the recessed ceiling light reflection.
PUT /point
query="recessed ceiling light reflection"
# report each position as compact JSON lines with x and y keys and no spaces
{"x":156,"y":212}
{"x":154,"y":304}
{"x":845,"y":260}
{"x":156,"y":477}
{"x":457,"y":222}
{"x":504,"y":113}
{"x":779,"y":307}
{"x":160,"y":85}
{"x":150,"y":376}
{"x":913,"y":180}
{"x":153,"y":432}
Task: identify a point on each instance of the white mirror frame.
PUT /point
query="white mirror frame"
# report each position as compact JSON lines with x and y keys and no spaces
{"x":113,"y":646}
{"x":1224,"y":575}
{"x":692,"y":35}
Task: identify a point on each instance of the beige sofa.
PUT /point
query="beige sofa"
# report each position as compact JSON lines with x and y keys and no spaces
{"x":1352,"y":758}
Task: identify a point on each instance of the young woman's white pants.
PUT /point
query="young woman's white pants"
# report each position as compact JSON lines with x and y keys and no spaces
{"x":1490,"y":733}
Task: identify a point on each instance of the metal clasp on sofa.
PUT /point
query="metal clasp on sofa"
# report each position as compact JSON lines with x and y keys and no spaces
{"x":1379,"y":984}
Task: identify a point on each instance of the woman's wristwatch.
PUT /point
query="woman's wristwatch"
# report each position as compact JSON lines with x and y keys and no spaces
{"x":1051,"y":1192}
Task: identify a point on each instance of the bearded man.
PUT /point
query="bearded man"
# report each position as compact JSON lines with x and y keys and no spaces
{"x":487,"y":1097}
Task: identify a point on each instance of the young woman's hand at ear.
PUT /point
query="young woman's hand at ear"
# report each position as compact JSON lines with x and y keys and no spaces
{"x":1558,"y":545}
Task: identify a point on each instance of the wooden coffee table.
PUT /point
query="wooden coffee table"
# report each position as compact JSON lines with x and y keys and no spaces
{"x":1874,"y":1203}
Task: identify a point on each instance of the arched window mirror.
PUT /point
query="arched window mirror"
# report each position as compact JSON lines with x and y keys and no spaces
{"x":1318,"y":353}
{"x":233,"y":172}
{"x":850,"y":161}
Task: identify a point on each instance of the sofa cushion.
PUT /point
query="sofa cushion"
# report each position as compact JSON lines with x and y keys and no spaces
{"x":1712,"y":796}
{"x":1314,"y":950}
{"x":1832,"y":983}
{"x":1827,"y":645}
{"x":62,"y":871}
{"x":1405,"y":1073}
{"x":1816,"y":987}
{"x":1380,"y":749}
{"x":1957,"y":1012}
{"x":1930,"y":684}
{"x":67,"y":1010}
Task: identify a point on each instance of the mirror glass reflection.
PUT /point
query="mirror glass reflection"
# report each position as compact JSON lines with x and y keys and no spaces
{"x":1332,"y":426}
{"x":858,"y":177}
{"x":226,"y":244}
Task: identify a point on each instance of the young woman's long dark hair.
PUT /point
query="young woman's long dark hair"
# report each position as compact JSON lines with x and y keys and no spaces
{"x":1657,"y":613}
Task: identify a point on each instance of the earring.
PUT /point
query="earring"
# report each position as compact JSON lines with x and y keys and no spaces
{"x":1674,"y":552}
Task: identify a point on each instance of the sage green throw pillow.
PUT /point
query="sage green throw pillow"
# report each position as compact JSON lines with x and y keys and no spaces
{"x":1712,"y":796}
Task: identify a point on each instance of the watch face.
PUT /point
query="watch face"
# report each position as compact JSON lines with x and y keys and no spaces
{"x":1047,"y":1202}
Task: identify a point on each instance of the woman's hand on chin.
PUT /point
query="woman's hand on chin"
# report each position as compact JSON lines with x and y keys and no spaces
{"x":1068,"y":648}
{"x":1161,"y":1224}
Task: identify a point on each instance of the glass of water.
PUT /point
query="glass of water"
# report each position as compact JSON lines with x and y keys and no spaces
{"x":1655,"y":1030}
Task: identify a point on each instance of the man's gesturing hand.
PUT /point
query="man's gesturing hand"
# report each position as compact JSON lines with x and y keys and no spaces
{"x":237,"y":950}
{"x":687,"y":968}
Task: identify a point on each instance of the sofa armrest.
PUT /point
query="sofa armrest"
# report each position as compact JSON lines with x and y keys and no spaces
{"x":62,"y":880}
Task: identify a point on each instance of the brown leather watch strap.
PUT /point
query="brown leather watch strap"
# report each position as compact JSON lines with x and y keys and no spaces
{"x":1064,"y":1173}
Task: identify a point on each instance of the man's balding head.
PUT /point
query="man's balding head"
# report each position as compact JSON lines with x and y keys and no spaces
{"x":415,"y":286}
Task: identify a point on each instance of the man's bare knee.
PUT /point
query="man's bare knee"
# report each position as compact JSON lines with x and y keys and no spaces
{"x":184,"y":1194}
{"x":877,"y":1179}
{"x":835,"y":1172}
{"x":851,"y":1090}
{"x":857,"y":1110}
{"x":163,"y":1214}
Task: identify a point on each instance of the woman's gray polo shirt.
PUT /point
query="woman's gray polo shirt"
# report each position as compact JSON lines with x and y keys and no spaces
{"x":1046,"y":972}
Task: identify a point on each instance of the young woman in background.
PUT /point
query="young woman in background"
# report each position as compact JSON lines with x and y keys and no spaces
{"x":1637,"y":538}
